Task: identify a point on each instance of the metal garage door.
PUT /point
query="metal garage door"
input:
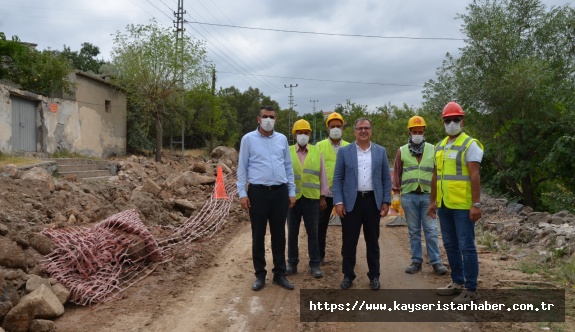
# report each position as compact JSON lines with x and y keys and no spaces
{"x":23,"y":124}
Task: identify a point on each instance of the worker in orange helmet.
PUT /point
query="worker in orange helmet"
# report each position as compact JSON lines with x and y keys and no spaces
{"x":455,"y":199}
{"x":412,"y":173}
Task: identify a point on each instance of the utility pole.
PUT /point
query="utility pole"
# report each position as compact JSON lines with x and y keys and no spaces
{"x":290,"y":119}
{"x":314,"y":120}
{"x":179,"y":30}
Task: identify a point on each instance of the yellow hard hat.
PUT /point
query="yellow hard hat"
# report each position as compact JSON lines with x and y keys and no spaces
{"x":334,"y":116}
{"x":300,"y":124}
{"x":416,"y":121}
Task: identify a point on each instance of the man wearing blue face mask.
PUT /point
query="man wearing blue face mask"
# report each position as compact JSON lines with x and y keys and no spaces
{"x":455,"y":198}
{"x":311,"y":187}
{"x":266,"y":188}
{"x":329,"y":148}
{"x":412,"y":173}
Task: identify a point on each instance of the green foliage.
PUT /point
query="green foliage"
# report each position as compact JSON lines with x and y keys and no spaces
{"x":243,"y":108}
{"x":514,"y":79}
{"x":85,"y":59}
{"x":42,"y":72}
{"x":155,"y":70}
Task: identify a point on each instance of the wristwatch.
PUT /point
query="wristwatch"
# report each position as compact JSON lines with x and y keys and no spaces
{"x":477,"y":205}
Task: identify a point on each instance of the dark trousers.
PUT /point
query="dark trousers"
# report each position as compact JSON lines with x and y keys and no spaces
{"x":365,"y":212}
{"x":268,"y":205}
{"x":309,"y":210}
{"x":323,"y":225}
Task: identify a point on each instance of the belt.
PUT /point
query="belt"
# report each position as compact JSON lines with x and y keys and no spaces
{"x":365,"y":193}
{"x":418,"y":192}
{"x":263,"y":186}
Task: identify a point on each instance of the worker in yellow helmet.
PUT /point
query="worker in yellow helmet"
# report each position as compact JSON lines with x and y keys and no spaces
{"x":412,"y":173}
{"x":311,"y":187}
{"x":456,"y":199}
{"x":329,"y":148}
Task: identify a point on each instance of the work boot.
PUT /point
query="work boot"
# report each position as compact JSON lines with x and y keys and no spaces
{"x":283,"y":282}
{"x":413,"y":268}
{"x":346,"y":283}
{"x":439,"y":269}
{"x":467,"y":296}
{"x":452,"y":288}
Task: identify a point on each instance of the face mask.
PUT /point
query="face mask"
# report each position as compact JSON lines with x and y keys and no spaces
{"x":267,"y":124}
{"x":335,"y":133}
{"x":453,"y":128}
{"x":417,"y":139}
{"x":302,"y":139}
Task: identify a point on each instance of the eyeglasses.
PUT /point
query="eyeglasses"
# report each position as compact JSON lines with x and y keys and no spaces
{"x":268,"y":116}
{"x":362,"y":128}
{"x":448,"y":121}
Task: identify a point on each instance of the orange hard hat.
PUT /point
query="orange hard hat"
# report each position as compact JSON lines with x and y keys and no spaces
{"x":416,"y":121}
{"x":334,"y":116}
{"x":452,"y":109}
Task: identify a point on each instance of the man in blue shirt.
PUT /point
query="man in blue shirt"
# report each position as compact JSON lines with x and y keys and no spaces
{"x":266,"y":188}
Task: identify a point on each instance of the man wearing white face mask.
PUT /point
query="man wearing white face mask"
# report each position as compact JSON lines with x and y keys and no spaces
{"x":412,"y":173}
{"x":329,"y":148}
{"x":455,"y":198}
{"x":267,"y":190}
{"x":311,"y":187}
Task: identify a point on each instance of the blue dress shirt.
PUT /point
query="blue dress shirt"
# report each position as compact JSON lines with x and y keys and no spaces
{"x":264,"y":160}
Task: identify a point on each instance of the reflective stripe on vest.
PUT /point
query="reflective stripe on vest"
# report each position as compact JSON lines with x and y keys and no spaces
{"x":453,"y":181}
{"x":416,"y":174}
{"x":306,"y":178}
{"x":329,"y":156}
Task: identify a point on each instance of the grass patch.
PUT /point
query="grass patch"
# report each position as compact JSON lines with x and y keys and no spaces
{"x":6,"y":159}
{"x":67,"y":154}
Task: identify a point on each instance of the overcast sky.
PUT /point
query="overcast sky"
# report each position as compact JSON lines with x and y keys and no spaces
{"x":396,"y":46}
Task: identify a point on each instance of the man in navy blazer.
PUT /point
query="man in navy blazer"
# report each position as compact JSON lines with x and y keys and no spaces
{"x":362,"y":195}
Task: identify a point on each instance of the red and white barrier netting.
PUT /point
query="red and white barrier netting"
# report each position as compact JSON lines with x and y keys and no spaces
{"x":97,"y":264}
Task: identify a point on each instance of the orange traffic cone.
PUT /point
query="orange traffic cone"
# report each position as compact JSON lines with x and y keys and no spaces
{"x":220,"y":191}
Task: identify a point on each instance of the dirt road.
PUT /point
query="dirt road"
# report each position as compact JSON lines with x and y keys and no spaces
{"x":219,"y":297}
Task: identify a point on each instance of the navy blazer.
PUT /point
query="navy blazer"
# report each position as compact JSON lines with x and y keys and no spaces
{"x":345,"y":176}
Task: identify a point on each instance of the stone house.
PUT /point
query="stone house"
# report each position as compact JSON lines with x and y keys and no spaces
{"x":90,"y":122}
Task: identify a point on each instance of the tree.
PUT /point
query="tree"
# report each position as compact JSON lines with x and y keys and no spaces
{"x":85,"y":59}
{"x":515,"y":80}
{"x":155,"y":76}
{"x":42,"y":72}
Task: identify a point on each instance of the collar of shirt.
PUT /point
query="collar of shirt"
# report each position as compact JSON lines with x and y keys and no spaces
{"x":300,"y":149}
{"x":258,"y":131}
{"x":360,"y":149}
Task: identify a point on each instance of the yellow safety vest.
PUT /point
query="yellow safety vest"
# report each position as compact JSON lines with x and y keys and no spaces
{"x":306,"y":178}
{"x":329,"y":156}
{"x":416,"y":174}
{"x":453,"y":181}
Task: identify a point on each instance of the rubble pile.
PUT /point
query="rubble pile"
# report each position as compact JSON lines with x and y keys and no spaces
{"x":516,"y":224}
{"x":165,"y":194}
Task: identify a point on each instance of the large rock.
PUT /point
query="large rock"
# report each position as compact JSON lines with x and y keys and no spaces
{"x":189,"y":178}
{"x":34,"y":283}
{"x":224,"y":151}
{"x":61,"y":292}
{"x":12,"y":255}
{"x":42,"y":325}
{"x":151,"y":187}
{"x":19,"y":318}
{"x":9,"y":171}
{"x":41,"y":243}
{"x":514,"y":208}
{"x":40,"y":175}
{"x":45,"y":303}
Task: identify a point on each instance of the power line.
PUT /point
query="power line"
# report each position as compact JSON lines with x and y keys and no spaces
{"x":327,"y":33}
{"x":333,"y":81}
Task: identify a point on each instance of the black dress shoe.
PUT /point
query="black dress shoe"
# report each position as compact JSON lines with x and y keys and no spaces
{"x":374,"y":284}
{"x":258,"y":284}
{"x":282,"y":281}
{"x":290,"y":269}
{"x":346,"y":283}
